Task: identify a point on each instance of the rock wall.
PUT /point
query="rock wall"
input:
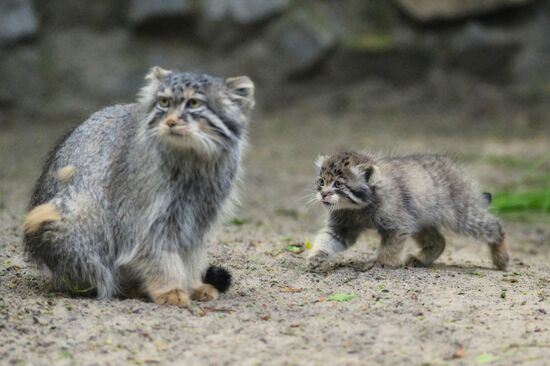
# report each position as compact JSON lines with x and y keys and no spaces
{"x":67,"y":57}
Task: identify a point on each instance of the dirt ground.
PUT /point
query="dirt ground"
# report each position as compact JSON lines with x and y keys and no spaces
{"x":460,"y":311}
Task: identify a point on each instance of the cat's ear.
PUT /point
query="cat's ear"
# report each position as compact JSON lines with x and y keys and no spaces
{"x":157,"y":73}
{"x":320,"y":161}
{"x":153,"y":80}
{"x":241,"y":91}
{"x":369,"y":172}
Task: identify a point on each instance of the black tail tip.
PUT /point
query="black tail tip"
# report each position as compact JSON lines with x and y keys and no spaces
{"x":488,"y":197}
{"x":218,"y":277}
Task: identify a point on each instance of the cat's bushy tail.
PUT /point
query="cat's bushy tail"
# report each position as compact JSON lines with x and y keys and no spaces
{"x":218,"y":277}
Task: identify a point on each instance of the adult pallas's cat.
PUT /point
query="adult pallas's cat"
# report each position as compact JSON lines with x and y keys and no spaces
{"x":126,"y":200}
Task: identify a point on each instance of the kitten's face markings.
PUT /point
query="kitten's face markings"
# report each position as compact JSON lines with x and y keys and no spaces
{"x":198,"y":112}
{"x":341,"y":185}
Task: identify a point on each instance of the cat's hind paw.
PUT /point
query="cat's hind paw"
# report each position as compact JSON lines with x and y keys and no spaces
{"x":412,"y":261}
{"x":205,"y":292}
{"x":371,"y":264}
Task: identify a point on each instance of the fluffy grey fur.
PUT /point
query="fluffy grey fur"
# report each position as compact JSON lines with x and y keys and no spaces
{"x":401,"y":196}
{"x":126,"y":200}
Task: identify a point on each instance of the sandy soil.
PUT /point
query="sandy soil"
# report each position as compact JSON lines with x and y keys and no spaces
{"x":460,"y":312}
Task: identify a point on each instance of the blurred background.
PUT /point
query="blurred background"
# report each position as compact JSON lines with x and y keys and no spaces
{"x":467,"y":77}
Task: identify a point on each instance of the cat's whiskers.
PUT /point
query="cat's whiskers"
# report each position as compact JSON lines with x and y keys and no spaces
{"x":309,"y":199}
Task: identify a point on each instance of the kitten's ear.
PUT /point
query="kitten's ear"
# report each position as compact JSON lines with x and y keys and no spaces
{"x":154,"y":78}
{"x":368,"y":171}
{"x":157,"y":73}
{"x":320,"y":161}
{"x":241,"y":91}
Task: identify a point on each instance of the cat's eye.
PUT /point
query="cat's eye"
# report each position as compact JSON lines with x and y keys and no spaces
{"x":320,"y":182}
{"x":164,"y":102}
{"x":338,"y":184}
{"x":194,"y":103}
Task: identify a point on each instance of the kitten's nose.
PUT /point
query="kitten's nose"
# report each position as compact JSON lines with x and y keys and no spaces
{"x":171,"y":122}
{"x":324,"y":194}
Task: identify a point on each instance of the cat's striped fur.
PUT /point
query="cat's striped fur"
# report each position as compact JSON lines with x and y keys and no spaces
{"x":402,"y":196}
{"x":126,"y":200}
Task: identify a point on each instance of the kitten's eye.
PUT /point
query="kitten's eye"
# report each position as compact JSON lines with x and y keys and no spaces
{"x":320,"y":182}
{"x":338,"y":184}
{"x":164,"y":102}
{"x":194,"y":103}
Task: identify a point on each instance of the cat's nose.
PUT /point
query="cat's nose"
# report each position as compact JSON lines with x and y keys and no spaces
{"x":324,"y":194}
{"x":172,"y":122}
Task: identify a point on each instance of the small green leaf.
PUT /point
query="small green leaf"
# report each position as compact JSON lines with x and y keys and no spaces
{"x":341,"y":297}
{"x":66,"y":354}
{"x":485,"y":358}
{"x":239,"y":221}
{"x":295,"y":248}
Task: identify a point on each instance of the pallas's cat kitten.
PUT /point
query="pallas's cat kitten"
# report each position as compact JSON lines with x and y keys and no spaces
{"x":401,"y":196}
{"x":126,"y":200}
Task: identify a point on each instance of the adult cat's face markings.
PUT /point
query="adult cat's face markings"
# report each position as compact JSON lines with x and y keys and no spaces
{"x":197,"y":112}
{"x":343,"y":182}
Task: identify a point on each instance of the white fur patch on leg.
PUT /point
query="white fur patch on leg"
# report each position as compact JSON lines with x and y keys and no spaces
{"x":324,"y":245}
{"x":65,"y":173}
{"x":325,"y":242}
{"x":39,"y":216}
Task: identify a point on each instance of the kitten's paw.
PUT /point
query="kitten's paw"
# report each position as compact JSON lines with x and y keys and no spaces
{"x":205,"y":292}
{"x":500,"y":255}
{"x":174,"y":297}
{"x":316,"y":259}
{"x":371,"y":264}
{"x":412,"y":261}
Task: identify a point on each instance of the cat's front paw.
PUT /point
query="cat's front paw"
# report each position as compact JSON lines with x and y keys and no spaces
{"x":315,"y":259}
{"x":412,"y":261}
{"x":176,"y":297}
{"x":205,"y":292}
{"x":371,"y":264}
